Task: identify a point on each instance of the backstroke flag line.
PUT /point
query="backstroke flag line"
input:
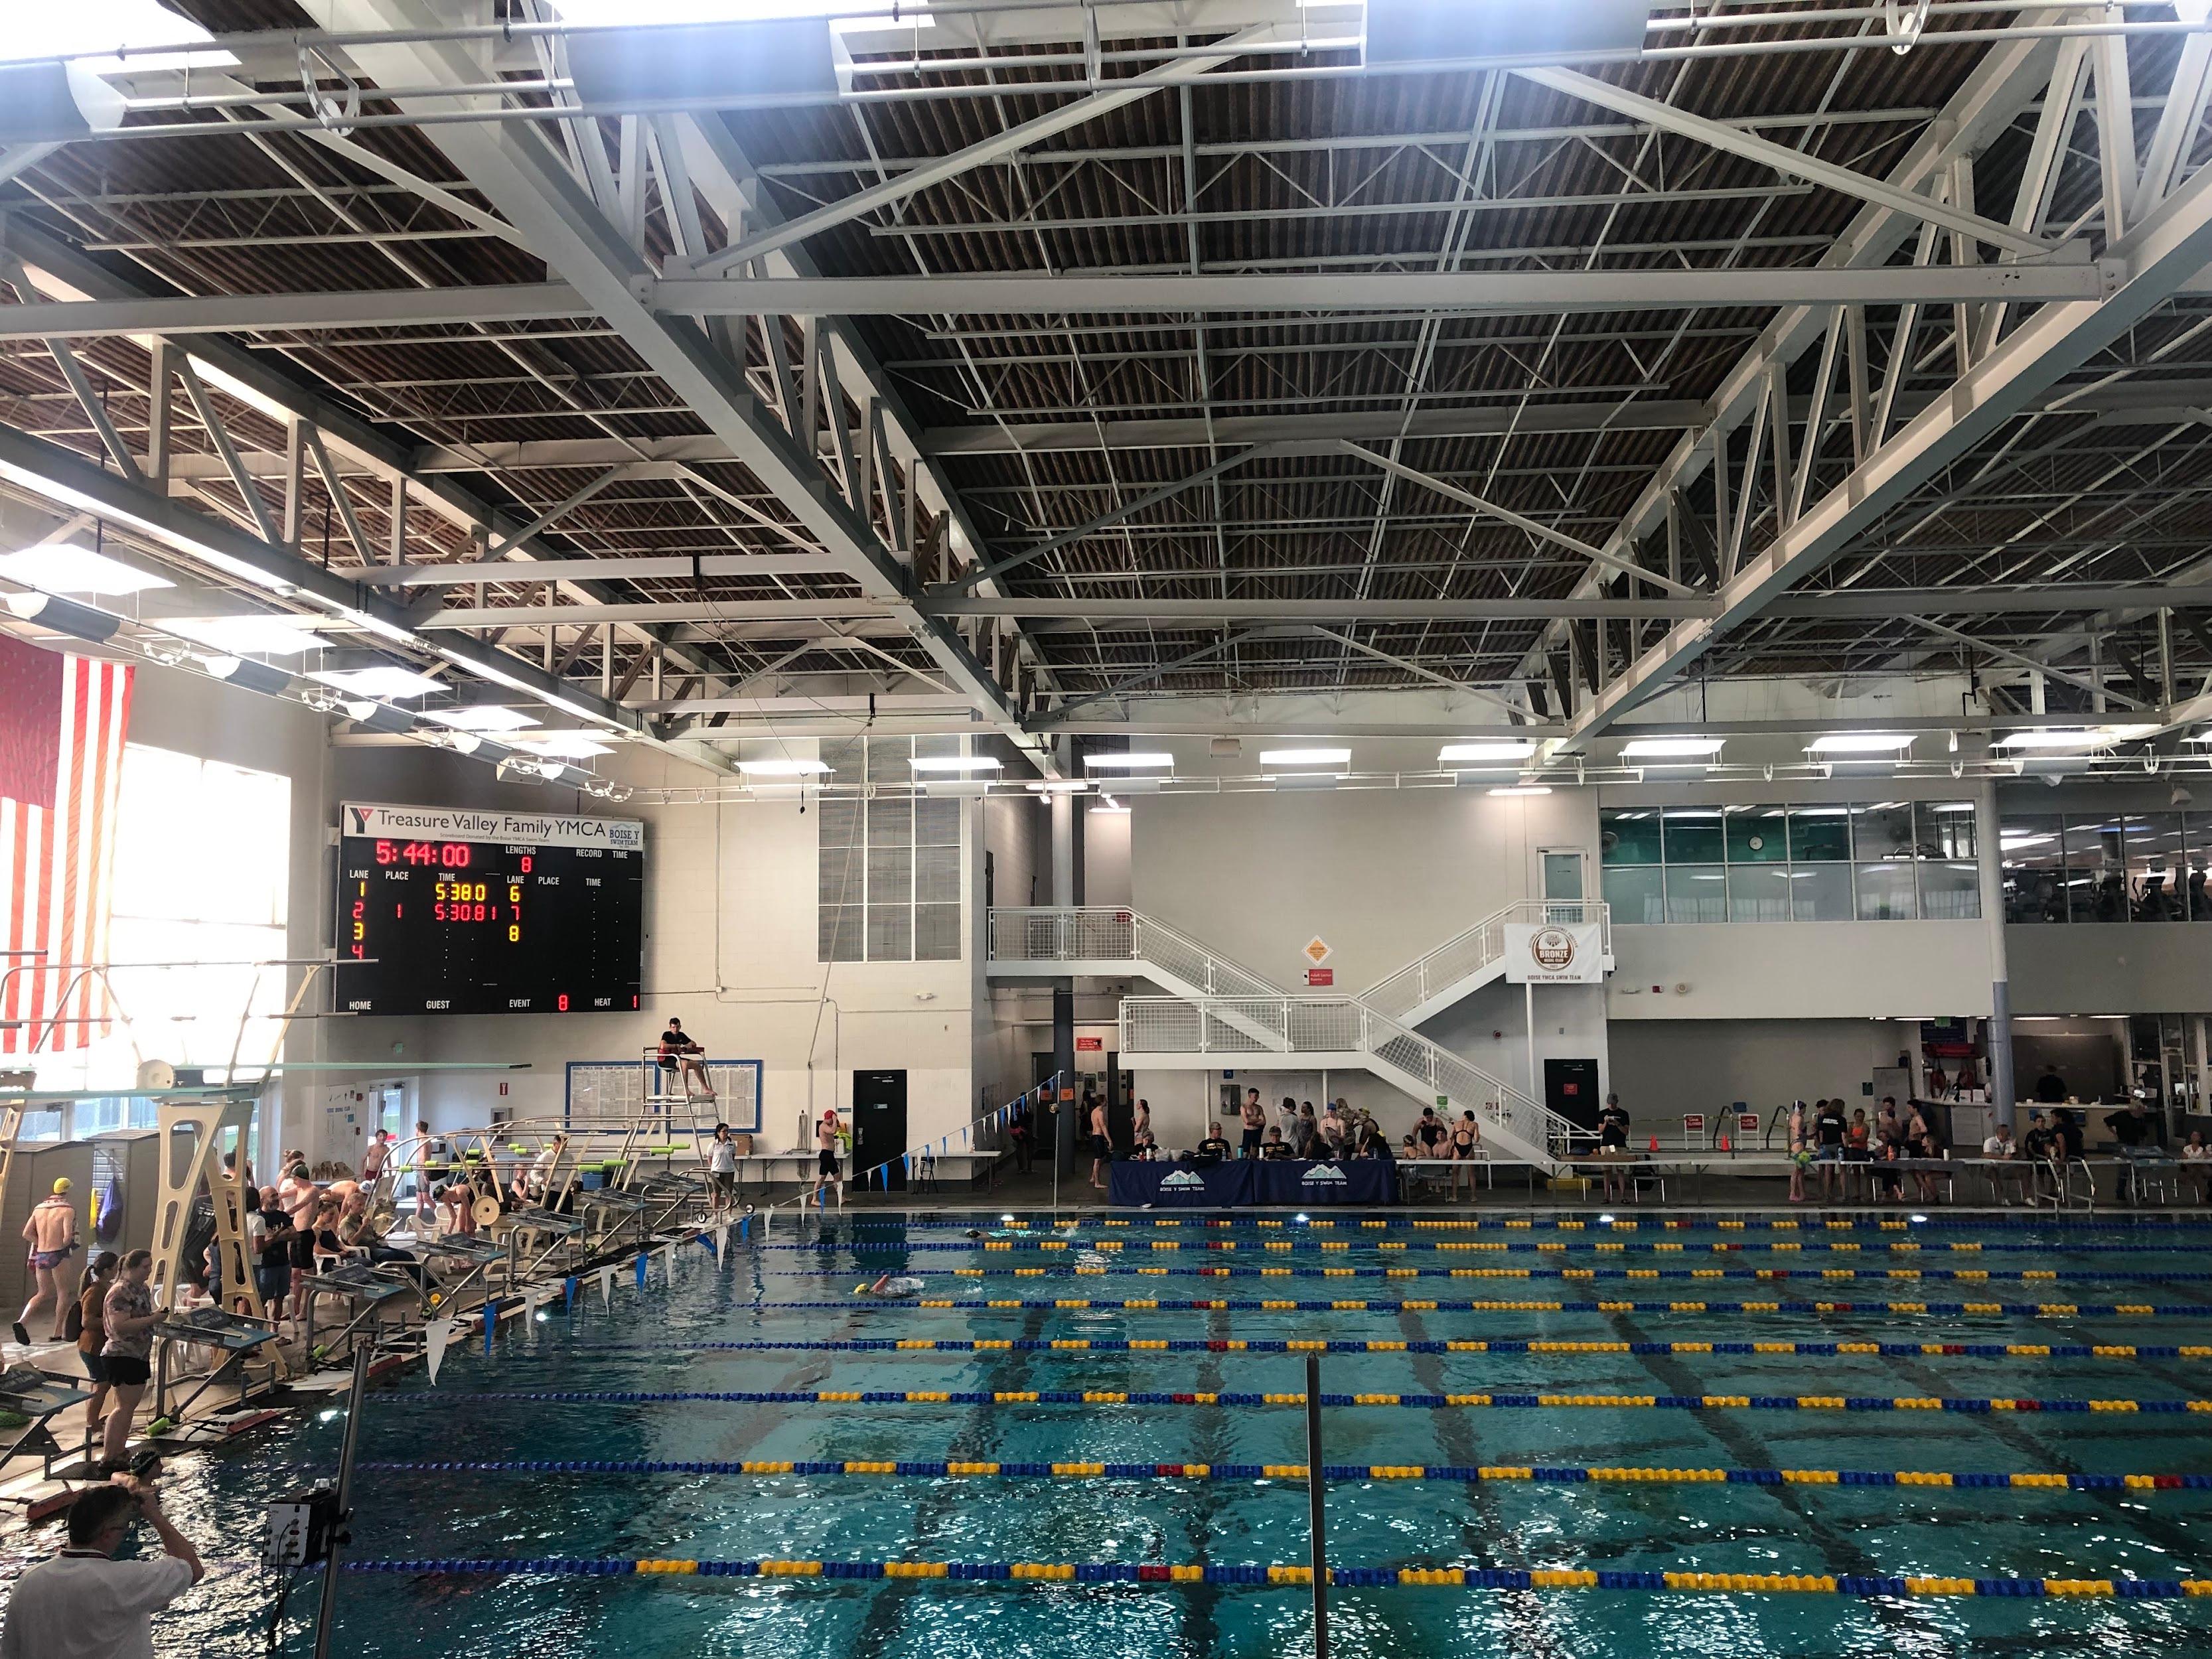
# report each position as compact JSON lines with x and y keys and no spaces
{"x":62,"y":724}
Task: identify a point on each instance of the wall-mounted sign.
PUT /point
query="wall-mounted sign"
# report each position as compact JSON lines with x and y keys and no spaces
{"x":1320,"y":976}
{"x":1316,"y":951}
{"x":1553,"y":954}
{"x":1090,"y":1045}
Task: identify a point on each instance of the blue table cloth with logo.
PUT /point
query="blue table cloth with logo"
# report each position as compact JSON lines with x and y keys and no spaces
{"x":1290,"y":1182}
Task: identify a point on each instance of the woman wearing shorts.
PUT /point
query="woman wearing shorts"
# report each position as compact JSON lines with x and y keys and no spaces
{"x":92,"y":1331}
{"x":127,"y":1315}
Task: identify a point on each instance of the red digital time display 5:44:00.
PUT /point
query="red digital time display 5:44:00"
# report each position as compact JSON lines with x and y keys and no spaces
{"x":460,"y":926}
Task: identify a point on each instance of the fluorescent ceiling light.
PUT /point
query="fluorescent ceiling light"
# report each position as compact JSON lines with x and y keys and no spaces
{"x":1509,"y":749}
{"x":1304,"y":756}
{"x":381,"y":681}
{"x":2090,"y":737}
{"x":1127,"y":760}
{"x":101,"y":26}
{"x":955,"y":763}
{"x":1952,"y":807}
{"x":1523,"y":789}
{"x":645,"y":14}
{"x":1860,"y":742}
{"x":1110,"y":808}
{"x":1058,"y":787}
{"x":783,"y":769}
{"x":65,"y":568}
{"x":570,"y":745}
{"x":1671,"y":748}
{"x":259,"y":635}
{"x":481,"y":717}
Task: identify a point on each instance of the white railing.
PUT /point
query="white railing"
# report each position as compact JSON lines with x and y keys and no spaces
{"x":1100,"y":933}
{"x":1467,"y":954}
{"x":1290,"y":1026}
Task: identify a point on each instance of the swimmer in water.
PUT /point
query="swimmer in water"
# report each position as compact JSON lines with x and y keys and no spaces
{"x":890,"y":1285}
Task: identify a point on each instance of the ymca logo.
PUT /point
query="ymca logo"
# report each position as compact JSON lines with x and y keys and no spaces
{"x":360,"y":819}
{"x":1321,"y":1173}
{"x":1183,"y":1178}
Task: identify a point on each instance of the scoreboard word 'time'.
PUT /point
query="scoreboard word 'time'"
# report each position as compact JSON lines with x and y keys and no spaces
{"x":451,"y":911}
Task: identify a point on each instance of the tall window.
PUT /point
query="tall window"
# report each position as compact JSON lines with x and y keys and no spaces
{"x":1882,"y":861}
{"x":2106,"y":866}
{"x":201,"y":883}
{"x":888,"y":882}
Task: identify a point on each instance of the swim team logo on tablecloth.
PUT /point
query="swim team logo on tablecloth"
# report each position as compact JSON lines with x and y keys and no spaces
{"x":1321,"y":1173}
{"x":1183,"y":1178}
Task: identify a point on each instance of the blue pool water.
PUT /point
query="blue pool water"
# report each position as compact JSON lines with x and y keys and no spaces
{"x":2006,"y":1532}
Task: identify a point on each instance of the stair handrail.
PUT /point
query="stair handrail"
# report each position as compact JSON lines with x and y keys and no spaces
{"x":1397,"y":993}
{"x":1526,"y":1118}
{"x":1077,"y":932}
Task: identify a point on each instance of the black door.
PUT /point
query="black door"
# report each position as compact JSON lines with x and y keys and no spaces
{"x":879,"y":1129}
{"x":1571,"y":1090}
{"x":1121,"y":1105}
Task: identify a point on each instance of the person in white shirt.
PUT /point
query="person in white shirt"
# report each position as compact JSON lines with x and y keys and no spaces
{"x":2000,"y":1146}
{"x":2196,"y":1164}
{"x":85,"y":1604}
{"x":722,"y":1168}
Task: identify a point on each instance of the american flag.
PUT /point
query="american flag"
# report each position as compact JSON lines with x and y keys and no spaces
{"x":62,"y":724}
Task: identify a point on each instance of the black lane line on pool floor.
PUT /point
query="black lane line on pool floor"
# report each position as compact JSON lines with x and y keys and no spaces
{"x":1484,"y":1531}
{"x":1747,"y":1449}
{"x":2137,"y":1520}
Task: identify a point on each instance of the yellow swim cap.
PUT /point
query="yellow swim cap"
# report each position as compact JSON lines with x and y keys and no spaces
{"x":62,"y":1185}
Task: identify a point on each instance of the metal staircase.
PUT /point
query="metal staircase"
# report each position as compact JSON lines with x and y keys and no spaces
{"x":1222,"y":1011}
{"x":1341,"y":1033}
{"x":1468,"y":961}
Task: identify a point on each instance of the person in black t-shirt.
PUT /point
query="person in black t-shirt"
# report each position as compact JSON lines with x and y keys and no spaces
{"x":1829,"y":1126}
{"x":1612,"y":1124}
{"x":1213,"y":1149}
{"x":2133,"y":1129}
{"x":2050,"y":1088}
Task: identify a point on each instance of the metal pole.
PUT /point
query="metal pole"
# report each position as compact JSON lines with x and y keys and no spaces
{"x":327,"y":1615}
{"x":1313,"y":1505}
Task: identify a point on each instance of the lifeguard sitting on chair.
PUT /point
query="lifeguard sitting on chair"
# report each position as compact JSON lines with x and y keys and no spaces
{"x":679,"y":1055}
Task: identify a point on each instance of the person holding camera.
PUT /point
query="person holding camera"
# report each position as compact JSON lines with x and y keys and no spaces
{"x":85,"y":1603}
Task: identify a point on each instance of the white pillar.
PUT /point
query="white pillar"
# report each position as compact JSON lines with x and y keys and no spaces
{"x":1990,"y":859}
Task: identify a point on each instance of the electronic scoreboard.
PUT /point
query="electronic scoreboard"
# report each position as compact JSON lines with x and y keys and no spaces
{"x":459,"y":911}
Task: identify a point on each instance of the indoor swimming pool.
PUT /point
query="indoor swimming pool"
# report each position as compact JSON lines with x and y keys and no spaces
{"x":1960,"y":1408}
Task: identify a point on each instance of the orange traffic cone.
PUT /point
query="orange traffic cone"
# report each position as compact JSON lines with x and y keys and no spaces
{"x":1724,"y":1145}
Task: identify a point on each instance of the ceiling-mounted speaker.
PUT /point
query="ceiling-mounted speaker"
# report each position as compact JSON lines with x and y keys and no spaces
{"x":1409,"y":34}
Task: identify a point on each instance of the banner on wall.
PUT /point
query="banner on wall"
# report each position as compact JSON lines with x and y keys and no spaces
{"x":1553,"y":954}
